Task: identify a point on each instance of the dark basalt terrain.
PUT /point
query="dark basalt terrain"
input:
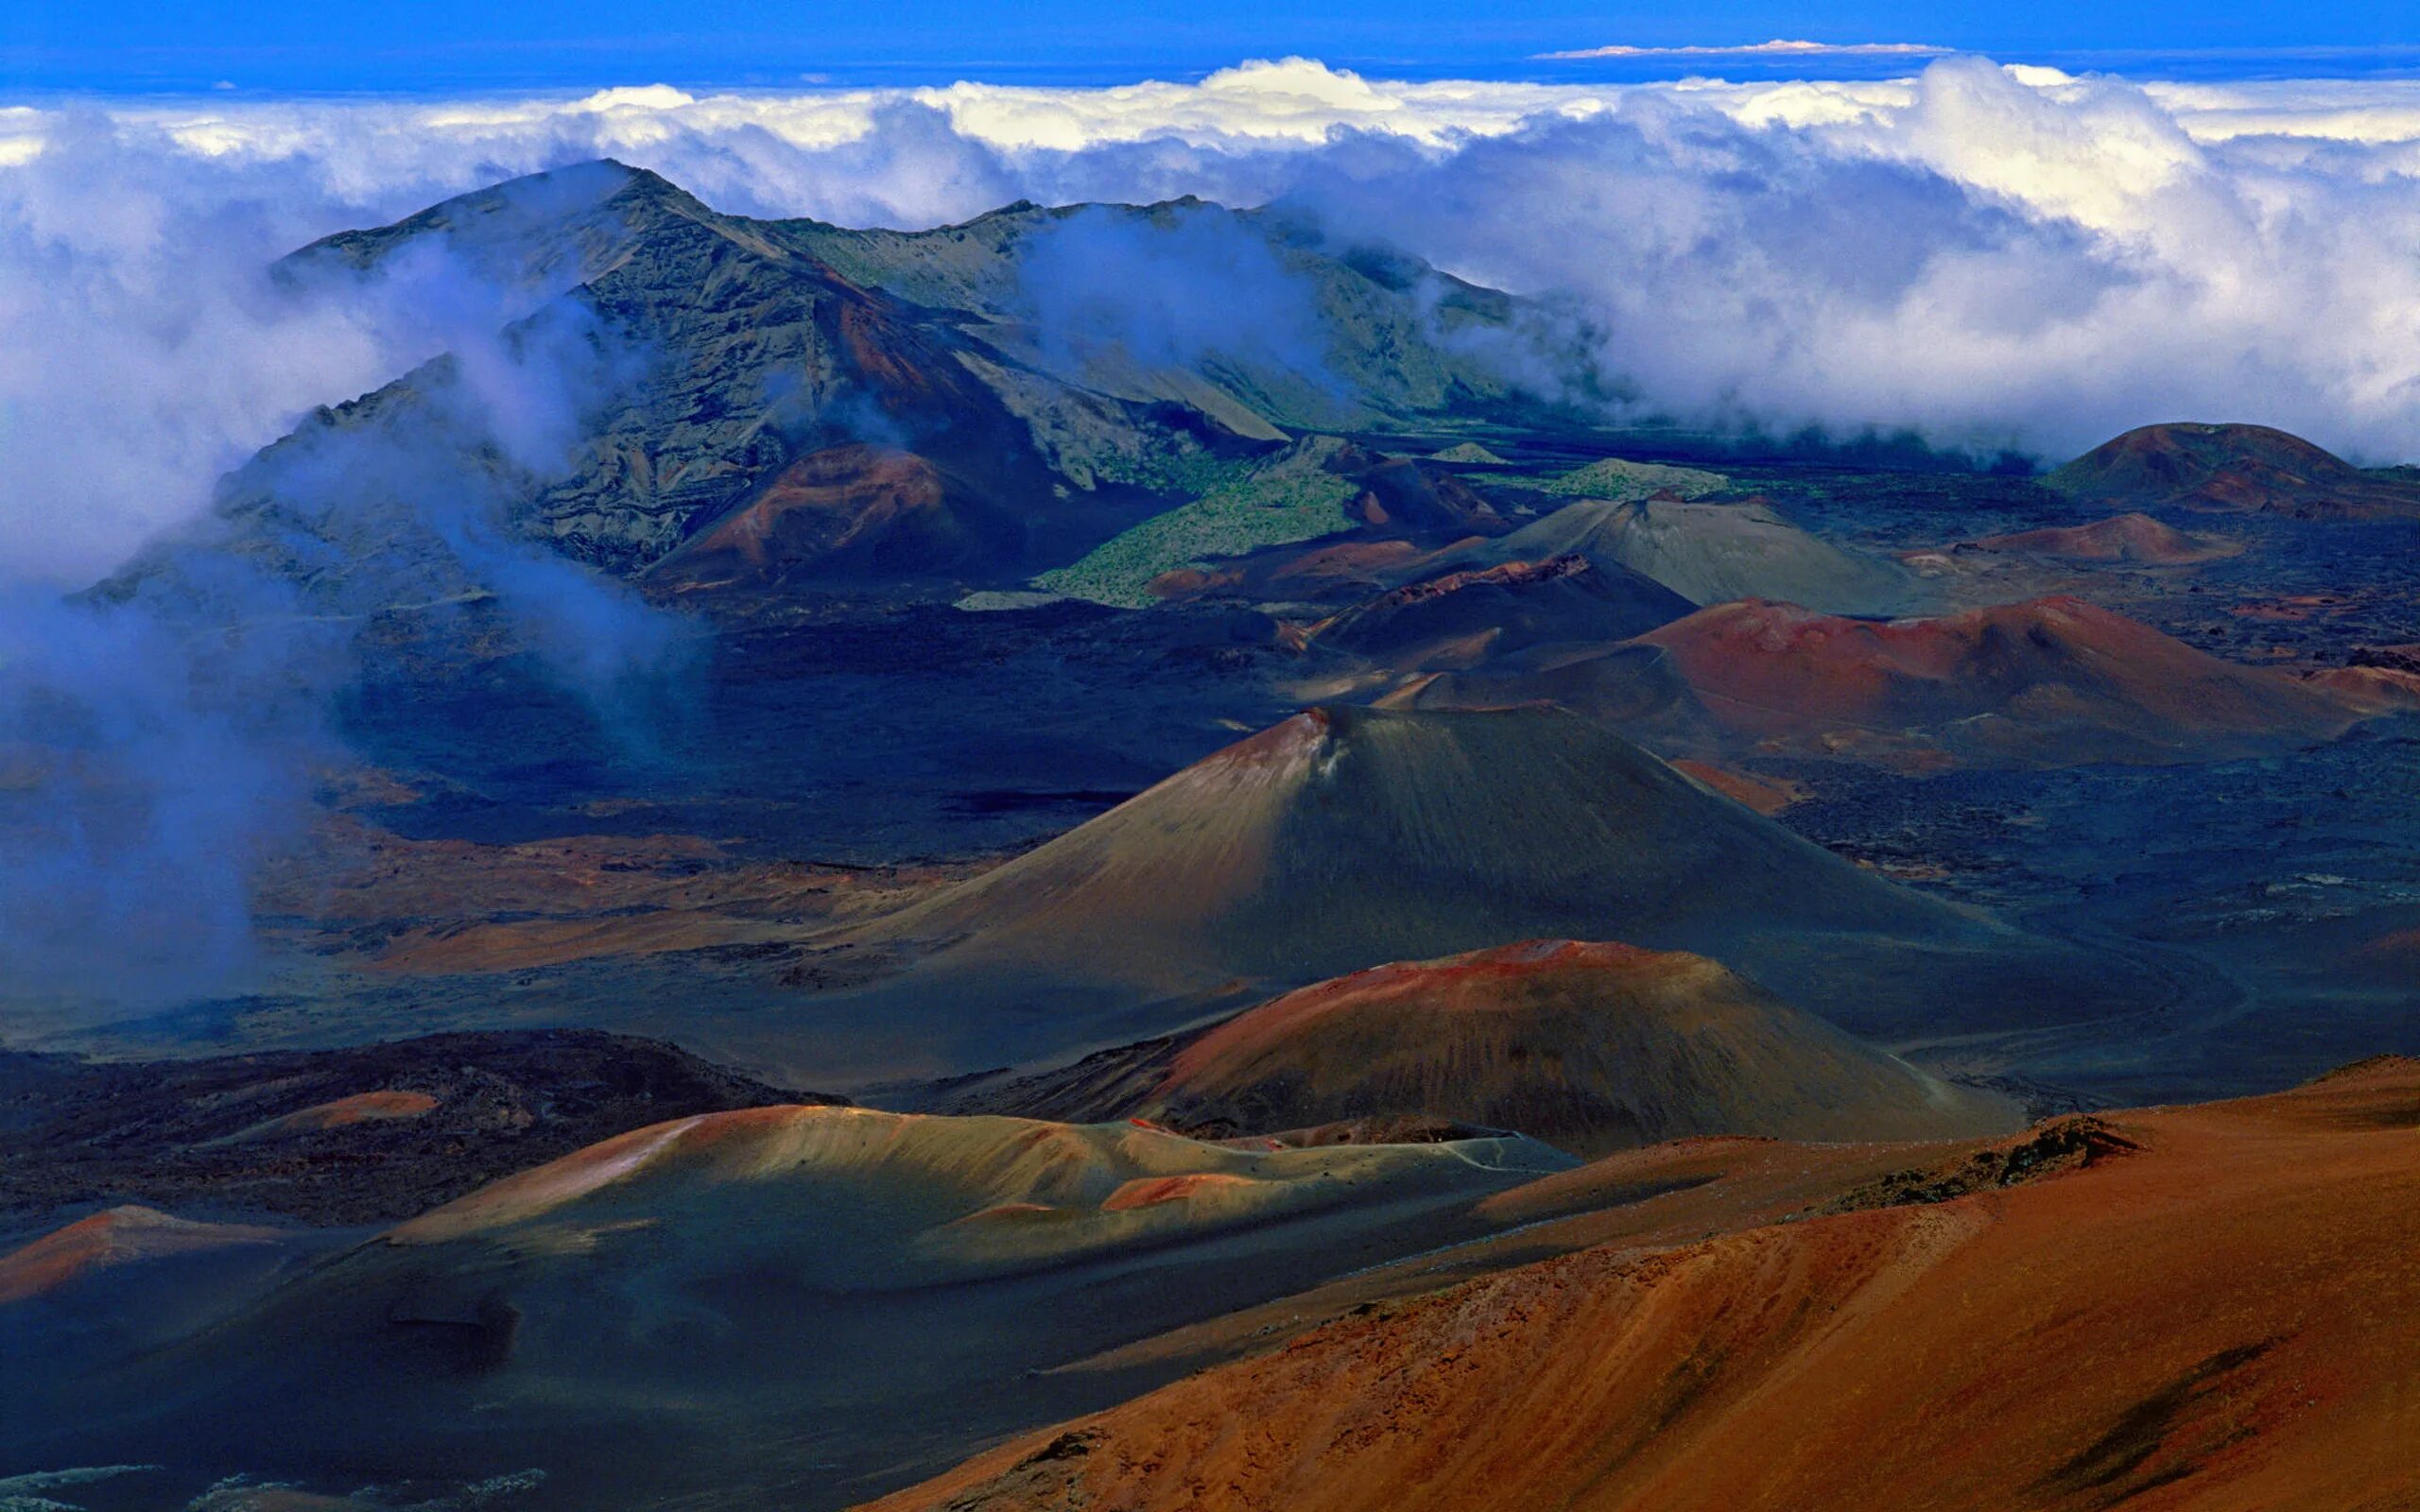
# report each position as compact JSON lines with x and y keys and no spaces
{"x":1183,"y":800}
{"x":374,"y":1133}
{"x":1469,"y":616}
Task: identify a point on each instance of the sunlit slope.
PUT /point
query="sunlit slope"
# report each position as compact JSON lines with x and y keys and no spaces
{"x":1591,"y":1047}
{"x":2224,"y":1318}
{"x":762,"y":1307}
{"x":847,"y":1199}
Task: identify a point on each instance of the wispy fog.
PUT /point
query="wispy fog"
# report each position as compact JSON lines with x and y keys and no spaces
{"x":1994,"y":257}
{"x":1176,"y":291}
{"x":160,"y":734}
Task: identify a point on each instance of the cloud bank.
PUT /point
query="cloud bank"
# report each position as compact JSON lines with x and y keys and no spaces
{"x":1779,"y":47}
{"x":1990,"y":257}
{"x":154,"y":747}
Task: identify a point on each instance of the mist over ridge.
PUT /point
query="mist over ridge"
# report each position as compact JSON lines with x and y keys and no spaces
{"x":1992,"y":258}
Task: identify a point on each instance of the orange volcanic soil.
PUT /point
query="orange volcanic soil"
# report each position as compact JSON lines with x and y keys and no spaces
{"x":117,"y":1236}
{"x":360,"y":1108}
{"x":2050,"y":682}
{"x":2229,"y":467}
{"x":1664,"y":1196}
{"x":852,"y":508}
{"x":1767,"y":795}
{"x":1588,"y":1046}
{"x":2378,"y":690}
{"x":2136,"y":538}
{"x":2225,"y":1315}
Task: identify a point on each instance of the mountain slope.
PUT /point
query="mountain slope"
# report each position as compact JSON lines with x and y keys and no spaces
{"x":696,"y":357}
{"x":2129,"y":538}
{"x":1378,"y":337}
{"x":665,"y":363}
{"x":779,"y":1306}
{"x":1590,"y":1047}
{"x":848,"y":511}
{"x":1345,"y":837}
{"x":540,"y":235}
{"x":2215,"y":1312}
{"x":124,"y":1235}
{"x":2230,"y":467}
{"x":901,"y":1201}
{"x":1459,"y":618}
{"x":1708,"y":553}
{"x":2054,"y":682}
{"x":2048,"y":682}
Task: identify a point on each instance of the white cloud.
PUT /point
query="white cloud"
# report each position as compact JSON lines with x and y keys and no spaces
{"x":2019,"y":255}
{"x":1987,"y":261}
{"x":1778,"y":47}
{"x":143,"y":349}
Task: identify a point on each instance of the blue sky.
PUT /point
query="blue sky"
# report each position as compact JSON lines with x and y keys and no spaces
{"x":48,"y":46}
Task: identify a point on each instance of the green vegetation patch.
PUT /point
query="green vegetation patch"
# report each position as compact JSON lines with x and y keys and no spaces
{"x":1289,"y":498}
{"x":1470,"y":452}
{"x":994,"y":600}
{"x":1621,"y":482}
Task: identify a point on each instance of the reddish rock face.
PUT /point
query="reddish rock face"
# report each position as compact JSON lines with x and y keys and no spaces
{"x":2136,"y":538}
{"x":113,"y":1237}
{"x":2239,"y":467}
{"x":857,"y":505}
{"x":1590,"y":1045}
{"x":2051,"y":681}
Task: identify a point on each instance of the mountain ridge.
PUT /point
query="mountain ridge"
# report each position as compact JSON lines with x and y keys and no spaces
{"x":662,"y":363}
